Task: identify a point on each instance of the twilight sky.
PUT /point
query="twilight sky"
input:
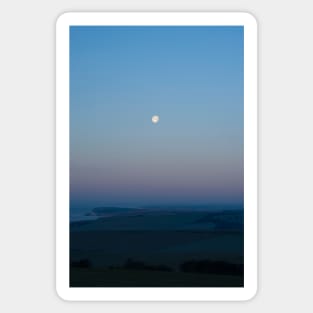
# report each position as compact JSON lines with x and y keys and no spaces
{"x":192,"y":77}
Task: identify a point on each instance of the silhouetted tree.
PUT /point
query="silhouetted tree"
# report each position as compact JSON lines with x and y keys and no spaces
{"x":137,"y":265}
{"x":83,"y":263}
{"x":212,"y":267}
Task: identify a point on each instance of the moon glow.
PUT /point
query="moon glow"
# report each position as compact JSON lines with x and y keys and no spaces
{"x":155,"y":119}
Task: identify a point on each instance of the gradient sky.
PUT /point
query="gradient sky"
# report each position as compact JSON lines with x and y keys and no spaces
{"x":192,"y":77}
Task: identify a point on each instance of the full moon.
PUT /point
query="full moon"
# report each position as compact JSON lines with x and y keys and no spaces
{"x":155,"y":119}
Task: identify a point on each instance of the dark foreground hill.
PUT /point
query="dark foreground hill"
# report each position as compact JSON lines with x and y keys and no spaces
{"x":185,"y":248}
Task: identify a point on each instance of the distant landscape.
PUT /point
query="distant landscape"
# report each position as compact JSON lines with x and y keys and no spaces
{"x":150,"y":247}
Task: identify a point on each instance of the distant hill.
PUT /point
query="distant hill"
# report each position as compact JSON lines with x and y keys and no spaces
{"x":119,"y":218}
{"x":198,"y":207}
{"x":103,"y":211}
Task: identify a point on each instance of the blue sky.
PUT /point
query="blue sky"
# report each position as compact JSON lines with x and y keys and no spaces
{"x":192,"y":77}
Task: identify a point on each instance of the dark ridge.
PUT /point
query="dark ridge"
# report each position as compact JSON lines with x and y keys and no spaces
{"x":212,"y":267}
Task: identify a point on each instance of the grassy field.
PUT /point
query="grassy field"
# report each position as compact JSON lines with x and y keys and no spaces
{"x":136,"y":278}
{"x":105,"y":248}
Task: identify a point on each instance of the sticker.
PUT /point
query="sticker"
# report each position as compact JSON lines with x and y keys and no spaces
{"x":156,"y":164}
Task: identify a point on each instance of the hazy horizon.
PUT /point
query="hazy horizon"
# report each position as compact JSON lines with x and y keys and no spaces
{"x":162,"y":206}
